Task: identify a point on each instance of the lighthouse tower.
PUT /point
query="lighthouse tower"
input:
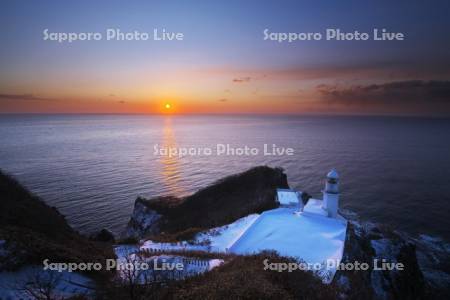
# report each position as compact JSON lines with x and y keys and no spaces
{"x":331,"y":194}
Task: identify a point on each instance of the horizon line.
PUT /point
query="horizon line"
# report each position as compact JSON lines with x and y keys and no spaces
{"x":437,"y":116}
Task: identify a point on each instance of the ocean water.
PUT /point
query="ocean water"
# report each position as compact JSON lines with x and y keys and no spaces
{"x":395,"y":171}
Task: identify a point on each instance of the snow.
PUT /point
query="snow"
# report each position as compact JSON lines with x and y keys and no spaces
{"x":67,"y":284}
{"x":333,"y":174}
{"x":297,"y":235}
{"x":191,"y":266}
{"x":180,"y":246}
{"x":218,"y":239}
{"x":287,"y":197}
{"x":309,"y":236}
{"x":214,"y":263}
{"x":146,"y":273}
{"x":125,"y":250}
{"x":143,"y":219}
{"x":314,"y":208}
{"x":222,"y":238}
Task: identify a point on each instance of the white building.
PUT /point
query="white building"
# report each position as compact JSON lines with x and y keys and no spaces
{"x":331,"y":194}
{"x":313,"y":232}
{"x":290,"y":198}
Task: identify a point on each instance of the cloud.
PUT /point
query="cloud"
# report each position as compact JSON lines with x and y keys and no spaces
{"x":27,"y":97}
{"x":223,"y":100}
{"x":379,"y":69}
{"x":242,"y":79}
{"x":411,"y":91}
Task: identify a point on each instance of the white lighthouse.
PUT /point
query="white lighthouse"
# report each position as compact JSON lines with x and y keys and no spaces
{"x":331,"y":194}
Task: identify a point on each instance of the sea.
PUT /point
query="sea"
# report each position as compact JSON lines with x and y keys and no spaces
{"x":393,"y":170}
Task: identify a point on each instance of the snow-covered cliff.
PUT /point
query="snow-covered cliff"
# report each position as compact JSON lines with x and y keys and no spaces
{"x":143,"y":221}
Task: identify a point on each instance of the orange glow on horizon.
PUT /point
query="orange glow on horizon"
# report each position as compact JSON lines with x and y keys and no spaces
{"x":167,"y":107}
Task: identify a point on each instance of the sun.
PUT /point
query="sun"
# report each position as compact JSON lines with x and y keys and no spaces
{"x":168,"y":106}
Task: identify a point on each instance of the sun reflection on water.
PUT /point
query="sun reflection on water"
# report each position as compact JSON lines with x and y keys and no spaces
{"x":170,"y":165}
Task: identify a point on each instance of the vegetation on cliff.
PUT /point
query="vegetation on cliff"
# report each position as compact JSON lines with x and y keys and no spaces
{"x":223,"y":202}
{"x":241,"y":277}
{"x":32,"y":231}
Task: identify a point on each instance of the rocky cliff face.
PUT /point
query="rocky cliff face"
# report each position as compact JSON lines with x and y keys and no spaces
{"x":223,"y":202}
{"x":143,"y":220}
{"x":31,"y":231}
{"x":426,"y":272}
{"x":370,"y":243}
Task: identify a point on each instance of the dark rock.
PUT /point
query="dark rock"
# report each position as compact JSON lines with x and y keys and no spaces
{"x":305,"y":197}
{"x":433,"y":257}
{"x":31,"y":231}
{"x":143,"y":221}
{"x":223,"y":202}
{"x":104,"y":235}
{"x":367,"y":242}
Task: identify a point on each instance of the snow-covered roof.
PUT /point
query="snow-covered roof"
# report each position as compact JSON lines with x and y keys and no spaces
{"x":310,"y":236}
{"x":333,"y":174}
{"x":287,"y":197}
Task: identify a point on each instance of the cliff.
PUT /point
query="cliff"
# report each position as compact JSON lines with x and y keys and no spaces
{"x":425,"y":274}
{"x":371,"y":244}
{"x":223,"y":202}
{"x":31,"y":231}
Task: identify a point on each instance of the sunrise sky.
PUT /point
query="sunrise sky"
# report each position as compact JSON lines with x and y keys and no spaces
{"x":223,"y":65}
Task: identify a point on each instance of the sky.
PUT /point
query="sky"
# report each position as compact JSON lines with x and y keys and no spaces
{"x":223,"y":64}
